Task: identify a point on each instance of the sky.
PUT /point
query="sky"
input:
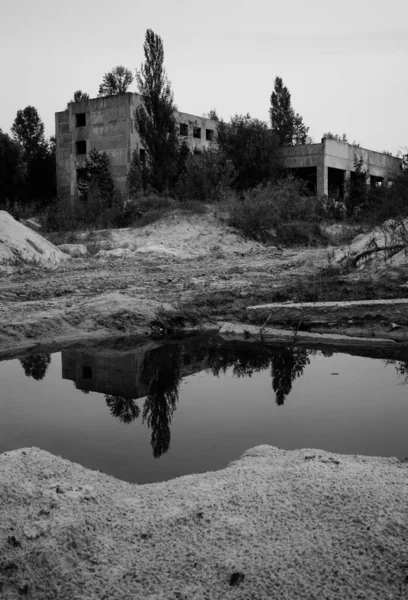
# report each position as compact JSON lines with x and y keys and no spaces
{"x":345,"y":64}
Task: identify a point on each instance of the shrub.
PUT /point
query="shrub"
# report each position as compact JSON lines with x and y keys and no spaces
{"x":281,"y":210}
{"x":206,"y":177}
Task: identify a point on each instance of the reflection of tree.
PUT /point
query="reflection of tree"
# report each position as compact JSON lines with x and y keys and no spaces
{"x":125,"y":409}
{"x":244,"y":358}
{"x":36,"y":365}
{"x":161,"y":374}
{"x":286,"y":366}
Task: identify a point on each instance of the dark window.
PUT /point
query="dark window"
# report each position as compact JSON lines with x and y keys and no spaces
{"x":80,"y":147}
{"x":183,"y":129}
{"x":142,"y":155}
{"x":81,"y":174}
{"x":197,"y":151}
{"x":86,"y":372}
{"x":209,"y":135}
{"x":80,"y":120}
{"x":197,"y":132}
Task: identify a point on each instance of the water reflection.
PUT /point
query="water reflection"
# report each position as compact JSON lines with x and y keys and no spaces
{"x":36,"y":365}
{"x":154,"y":371}
{"x":125,"y":409}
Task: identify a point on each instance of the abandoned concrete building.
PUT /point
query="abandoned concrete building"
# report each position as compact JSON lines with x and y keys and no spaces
{"x":328,"y":166}
{"x":107,"y":124}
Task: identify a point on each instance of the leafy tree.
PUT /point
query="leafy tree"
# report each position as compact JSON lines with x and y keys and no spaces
{"x":38,"y":155}
{"x":251,"y":148}
{"x":28,"y":130}
{"x":97,"y":177}
{"x":12,"y":169}
{"x":79,"y":96}
{"x":206,"y":176}
{"x":155,"y":116}
{"x":212,"y":114}
{"x":36,"y":365}
{"x":115,"y":82}
{"x":358,"y":190}
{"x":287,"y":124}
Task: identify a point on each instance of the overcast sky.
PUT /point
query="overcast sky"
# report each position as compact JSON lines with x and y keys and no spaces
{"x":345,"y":64}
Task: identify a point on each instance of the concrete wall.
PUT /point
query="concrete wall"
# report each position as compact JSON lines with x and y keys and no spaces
{"x":109,"y":127}
{"x":331,"y":154}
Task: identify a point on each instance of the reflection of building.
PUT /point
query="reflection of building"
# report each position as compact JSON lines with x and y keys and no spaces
{"x":113,"y":372}
{"x":108,"y":124}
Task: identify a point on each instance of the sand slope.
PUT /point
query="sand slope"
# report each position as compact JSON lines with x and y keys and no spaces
{"x":20,"y":244}
{"x":274,"y":524}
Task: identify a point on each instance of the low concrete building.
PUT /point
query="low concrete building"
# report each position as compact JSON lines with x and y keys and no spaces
{"x":328,"y":166}
{"x":108,"y":124}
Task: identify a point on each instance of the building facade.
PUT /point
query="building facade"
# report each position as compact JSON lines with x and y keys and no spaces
{"x":329,"y":166}
{"x":108,"y":124}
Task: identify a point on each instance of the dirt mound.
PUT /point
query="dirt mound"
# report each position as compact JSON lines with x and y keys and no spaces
{"x":383,"y":247}
{"x":20,"y":245}
{"x":179,"y":235}
{"x":300,"y":524}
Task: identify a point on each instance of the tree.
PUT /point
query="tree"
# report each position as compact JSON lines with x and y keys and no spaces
{"x":38,"y":155}
{"x":115,"y":82}
{"x":212,"y":114}
{"x":79,"y":96}
{"x":287,"y":124}
{"x":125,"y":409}
{"x":252,"y":149}
{"x":155,"y":116}
{"x":28,"y":130}
{"x":134,"y":178}
{"x":97,"y":178}
{"x":12,"y":169}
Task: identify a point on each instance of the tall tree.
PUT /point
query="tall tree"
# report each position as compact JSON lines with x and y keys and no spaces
{"x":115,"y":82}
{"x":38,"y":155}
{"x":28,"y":130}
{"x":251,"y":148}
{"x":155,"y":116}
{"x":287,"y":124}
{"x":12,"y":169}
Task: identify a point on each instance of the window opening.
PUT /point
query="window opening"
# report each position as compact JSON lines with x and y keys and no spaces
{"x":209,"y":135}
{"x":142,"y":155}
{"x":197,"y":132}
{"x":86,"y":372}
{"x":80,"y":147}
{"x":183,"y":129}
{"x":80,"y":120}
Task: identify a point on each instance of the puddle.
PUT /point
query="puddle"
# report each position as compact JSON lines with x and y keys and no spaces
{"x":151,"y":412}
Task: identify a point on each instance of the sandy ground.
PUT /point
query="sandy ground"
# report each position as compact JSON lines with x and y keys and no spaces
{"x":193,"y":266}
{"x":186,"y":271}
{"x":302,"y":524}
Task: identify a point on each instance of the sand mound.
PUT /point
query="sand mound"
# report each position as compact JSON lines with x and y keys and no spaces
{"x":179,"y":235}
{"x":386,"y":245}
{"x":302,"y":524}
{"x":20,"y":245}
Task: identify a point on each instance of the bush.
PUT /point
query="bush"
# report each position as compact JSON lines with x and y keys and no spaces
{"x":281,"y":211}
{"x":206,"y":177}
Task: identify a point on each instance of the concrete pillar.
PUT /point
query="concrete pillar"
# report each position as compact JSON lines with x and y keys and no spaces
{"x":346,"y":187}
{"x":322,"y":181}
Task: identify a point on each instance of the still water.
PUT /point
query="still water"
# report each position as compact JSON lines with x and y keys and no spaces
{"x":151,"y":412}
